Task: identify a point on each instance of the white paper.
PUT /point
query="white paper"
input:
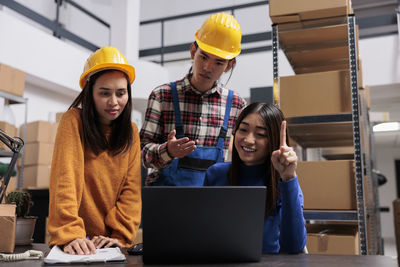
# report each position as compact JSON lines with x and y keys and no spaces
{"x":56,"y":255}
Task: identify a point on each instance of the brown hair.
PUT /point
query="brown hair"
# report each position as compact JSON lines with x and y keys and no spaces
{"x":272,"y":117}
{"x":121,"y":128}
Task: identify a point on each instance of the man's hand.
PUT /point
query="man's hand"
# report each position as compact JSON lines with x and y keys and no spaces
{"x":179,"y":148}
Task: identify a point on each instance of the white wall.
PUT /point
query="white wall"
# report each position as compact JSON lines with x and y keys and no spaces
{"x":43,"y":104}
{"x":386,"y":157}
{"x":75,"y":20}
{"x":53,"y":66}
{"x":39,"y":54}
{"x":148,"y":76}
{"x":380,"y":60}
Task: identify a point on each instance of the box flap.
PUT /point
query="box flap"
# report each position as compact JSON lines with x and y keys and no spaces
{"x":309,"y":8}
{"x":7,"y":209}
{"x":7,"y":227}
{"x":331,"y":229}
{"x":285,"y":19}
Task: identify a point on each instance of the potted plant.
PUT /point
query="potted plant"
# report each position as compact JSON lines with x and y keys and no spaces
{"x":25,"y":224}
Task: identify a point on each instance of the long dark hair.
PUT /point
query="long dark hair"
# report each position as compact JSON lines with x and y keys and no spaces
{"x":230,"y":74}
{"x":121,"y":128}
{"x":272,"y":117}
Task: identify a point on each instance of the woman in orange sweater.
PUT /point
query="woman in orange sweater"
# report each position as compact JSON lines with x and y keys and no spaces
{"x":95,"y":198}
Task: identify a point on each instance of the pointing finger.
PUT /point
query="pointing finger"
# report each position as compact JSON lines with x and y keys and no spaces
{"x":283,"y":133}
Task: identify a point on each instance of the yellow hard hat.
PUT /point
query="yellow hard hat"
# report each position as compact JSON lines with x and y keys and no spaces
{"x":107,"y":57}
{"x":220,"y":35}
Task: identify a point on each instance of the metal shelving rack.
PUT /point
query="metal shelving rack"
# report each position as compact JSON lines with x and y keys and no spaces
{"x":372,"y":208}
{"x":344,"y":130}
{"x":11,"y":100}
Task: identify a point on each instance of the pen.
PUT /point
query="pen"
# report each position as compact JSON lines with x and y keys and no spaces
{"x":87,"y":238}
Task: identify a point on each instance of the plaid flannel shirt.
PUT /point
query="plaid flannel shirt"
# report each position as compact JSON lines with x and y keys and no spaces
{"x":202,"y":118}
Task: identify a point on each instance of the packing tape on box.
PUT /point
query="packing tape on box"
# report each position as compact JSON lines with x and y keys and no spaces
{"x":323,"y":240}
{"x":9,"y":219}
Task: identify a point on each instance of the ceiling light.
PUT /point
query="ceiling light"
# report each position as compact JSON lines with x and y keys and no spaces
{"x":387,"y":127}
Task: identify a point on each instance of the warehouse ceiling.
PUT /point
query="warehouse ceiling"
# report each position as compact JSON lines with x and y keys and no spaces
{"x":376,"y":17}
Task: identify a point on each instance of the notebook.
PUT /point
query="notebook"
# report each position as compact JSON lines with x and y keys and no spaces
{"x":57,"y":256}
{"x":203,"y":224}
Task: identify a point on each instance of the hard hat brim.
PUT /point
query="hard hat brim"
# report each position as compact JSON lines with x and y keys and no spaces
{"x":215,"y":51}
{"x":126,"y":68}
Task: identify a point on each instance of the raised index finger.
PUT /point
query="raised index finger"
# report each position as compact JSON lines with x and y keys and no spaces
{"x":283,"y":133}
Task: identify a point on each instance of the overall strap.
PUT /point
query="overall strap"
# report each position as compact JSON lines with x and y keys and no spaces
{"x":178,"y":120}
{"x":224,"y":128}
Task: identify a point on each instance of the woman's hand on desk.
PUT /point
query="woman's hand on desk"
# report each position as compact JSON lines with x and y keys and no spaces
{"x":80,"y":246}
{"x":105,"y":242}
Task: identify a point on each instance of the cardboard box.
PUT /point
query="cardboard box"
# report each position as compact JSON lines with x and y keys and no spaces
{"x":54,"y":129}
{"x":38,"y":153}
{"x":10,"y":130}
{"x":12,"y":81}
{"x":317,"y":49}
{"x":360,"y":75}
{"x":37,"y":176}
{"x":12,"y":185}
{"x":315,"y":93}
{"x":365,"y":93}
{"x":8,"y":221}
{"x":338,"y":153}
{"x":327,"y":185}
{"x":282,"y":11}
{"x":59,"y":116}
{"x":39,"y":131}
{"x":138,"y":237}
{"x":319,"y":60}
{"x":333,"y":239}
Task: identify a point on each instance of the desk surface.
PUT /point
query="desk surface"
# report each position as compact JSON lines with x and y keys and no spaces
{"x":270,"y":260}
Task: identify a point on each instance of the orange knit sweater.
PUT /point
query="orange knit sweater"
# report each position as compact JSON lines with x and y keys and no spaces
{"x":92,"y":195}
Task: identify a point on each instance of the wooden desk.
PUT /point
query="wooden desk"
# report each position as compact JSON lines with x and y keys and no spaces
{"x":266,"y":260}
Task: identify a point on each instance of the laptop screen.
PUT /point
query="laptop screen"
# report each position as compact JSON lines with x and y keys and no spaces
{"x":203,"y":224}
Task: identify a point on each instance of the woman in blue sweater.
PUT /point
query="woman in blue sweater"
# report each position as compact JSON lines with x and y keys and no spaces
{"x":261,"y":156}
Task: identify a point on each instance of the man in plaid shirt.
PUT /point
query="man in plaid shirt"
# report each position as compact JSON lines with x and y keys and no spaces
{"x":202,"y":100}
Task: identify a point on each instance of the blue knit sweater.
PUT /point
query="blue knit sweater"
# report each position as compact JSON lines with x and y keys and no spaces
{"x":284,"y":229}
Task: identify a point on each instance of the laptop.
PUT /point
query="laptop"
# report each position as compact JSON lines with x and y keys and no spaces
{"x":203,"y":224}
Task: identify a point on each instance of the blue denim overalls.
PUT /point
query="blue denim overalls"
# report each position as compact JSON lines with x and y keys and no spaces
{"x":191,"y":170}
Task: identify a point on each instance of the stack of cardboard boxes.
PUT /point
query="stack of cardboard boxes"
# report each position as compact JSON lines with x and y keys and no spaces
{"x":38,"y":149}
{"x":314,"y":37}
{"x":12,"y":81}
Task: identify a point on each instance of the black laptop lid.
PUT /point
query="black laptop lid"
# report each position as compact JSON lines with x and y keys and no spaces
{"x":203,"y":224}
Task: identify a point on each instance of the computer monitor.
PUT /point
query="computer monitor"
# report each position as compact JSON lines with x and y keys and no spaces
{"x":203,"y":224}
